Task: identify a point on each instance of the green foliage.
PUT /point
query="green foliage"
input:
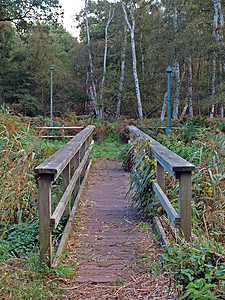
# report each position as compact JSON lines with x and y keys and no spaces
{"x":108,"y":148}
{"x":141,"y":177}
{"x":25,"y":11}
{"x":198,"y":269}
{"x":19,"y":240}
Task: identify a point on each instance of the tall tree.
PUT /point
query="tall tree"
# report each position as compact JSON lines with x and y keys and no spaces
{"x":110,"y":16}
{"x":123,"y":55}
{"x":93,"y":88}
{"x":132,"y":31}
{"x":21,"y":12}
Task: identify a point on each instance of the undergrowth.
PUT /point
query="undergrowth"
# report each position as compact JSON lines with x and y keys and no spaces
{"x":198,"y":267}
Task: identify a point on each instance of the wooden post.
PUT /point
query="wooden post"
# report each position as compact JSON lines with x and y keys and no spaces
{"x":76,"y":164}
{"x":185,"y":204}
{"x":87,"y":145}
{"x":82,"y":152}
{"x":45,"y":235}
{"x":65,"y":182}
{"x":131,"y":138}
{"x":160,"y":176}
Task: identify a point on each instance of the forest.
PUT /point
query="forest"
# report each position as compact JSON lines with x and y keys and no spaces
{"x":118,"y":65}
{"x":114,"y":75}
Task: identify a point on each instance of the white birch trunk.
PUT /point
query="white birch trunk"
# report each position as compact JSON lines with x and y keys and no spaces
{"x":163,"y":112}
{"x":177,"y":94}
{"x":123,"y":56}
{"x":185,"y":107}
{"x":218,"y":32}
{"x":221,"y":21}
{"x":221,"y":112}
{"x":131,"y":28}
{"x":91,"y":64}
{"x":110,"y":16}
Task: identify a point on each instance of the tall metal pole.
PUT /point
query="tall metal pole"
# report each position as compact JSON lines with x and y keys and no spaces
{"x":168,"y":126}
{"x":51,"y":103}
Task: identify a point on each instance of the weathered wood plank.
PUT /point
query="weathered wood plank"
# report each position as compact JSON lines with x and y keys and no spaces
{"x":185,"y":194}
{"x":45,"y":238}
{"x":172,"y":162}
{"x":65,"y":183}
{"x":56,"y":216}
{"x":172,"y":214}
{"x":57,"y":162}
{"x":68,"y":227}
{"x":160,"y":175}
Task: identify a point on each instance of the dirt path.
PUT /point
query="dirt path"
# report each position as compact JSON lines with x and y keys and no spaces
{"x":114,"y":254}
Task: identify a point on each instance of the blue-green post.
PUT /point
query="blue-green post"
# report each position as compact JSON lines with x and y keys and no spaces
{"x":51,"y":103}
{"x":168,"y":126}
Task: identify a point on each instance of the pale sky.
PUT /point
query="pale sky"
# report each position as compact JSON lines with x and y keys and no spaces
{"x":71,"y":7}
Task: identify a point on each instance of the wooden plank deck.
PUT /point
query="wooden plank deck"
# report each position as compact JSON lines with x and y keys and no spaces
{"x":108,"y":242}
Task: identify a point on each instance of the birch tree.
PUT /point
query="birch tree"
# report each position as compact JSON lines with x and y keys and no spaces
{"x":188,"y":98}
{"x":123,"y":56}
{"x":93,"y":89}
{"x":110,"y":17}
{"x":131,"y":27}
{"x":163,"y":112}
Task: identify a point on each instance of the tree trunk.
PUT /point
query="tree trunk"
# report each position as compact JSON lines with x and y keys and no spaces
{"x":131,"y":28}
{"x":221,"y":112}
{"x":111,"y":13}
{"x":163,"y":113}
{"x":177,"y":94}
{"x":91,"y":64}
{"x":122,"y":70}
{"x":218,"y":32}
{"x":185,"y":107}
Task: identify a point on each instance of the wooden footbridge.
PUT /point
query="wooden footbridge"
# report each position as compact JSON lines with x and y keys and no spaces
{"x":108,"y":233}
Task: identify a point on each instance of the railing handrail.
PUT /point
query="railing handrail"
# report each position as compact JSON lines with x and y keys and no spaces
{"x":75,"y":157}
{"x":56,"y":163}
{"x":172,"y":162}
{"x":180,"y":169}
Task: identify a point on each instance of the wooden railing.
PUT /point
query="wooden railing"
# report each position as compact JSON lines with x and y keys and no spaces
{"x":73,"y":162}
{"x":47,"y":129}
{"x":180,"y":169}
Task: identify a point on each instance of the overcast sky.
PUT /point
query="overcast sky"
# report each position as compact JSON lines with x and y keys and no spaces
{"x":71,"y":7}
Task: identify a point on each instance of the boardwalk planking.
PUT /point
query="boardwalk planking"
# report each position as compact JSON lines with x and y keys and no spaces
{"x":108,"y":243}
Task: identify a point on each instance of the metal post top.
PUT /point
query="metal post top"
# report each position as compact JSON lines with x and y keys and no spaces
{"x":169,"y":70}
{"x":51,"y":68}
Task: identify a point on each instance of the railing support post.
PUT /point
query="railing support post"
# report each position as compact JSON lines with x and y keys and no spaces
{"x":76,"y":164}
{"x":131,"y":138}
{"x":160,"y":175}
{"x":65,"y":183}
{"x":185,"y":204}
{"x":45,"y":238}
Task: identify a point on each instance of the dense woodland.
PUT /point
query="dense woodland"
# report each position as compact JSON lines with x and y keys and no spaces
{"x":118,"y":65}
{"x":116,"y":68}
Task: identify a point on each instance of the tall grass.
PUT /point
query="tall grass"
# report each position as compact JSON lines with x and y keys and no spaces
{"x":21,"y":151}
